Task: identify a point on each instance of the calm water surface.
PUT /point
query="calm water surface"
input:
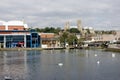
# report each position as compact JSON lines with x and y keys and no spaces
{"x":44,"y":65}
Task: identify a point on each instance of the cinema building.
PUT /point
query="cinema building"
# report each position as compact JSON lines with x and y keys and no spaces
{"x":15,"y":34}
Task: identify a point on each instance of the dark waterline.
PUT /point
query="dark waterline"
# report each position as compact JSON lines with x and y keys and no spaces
{"x":44,"y":65}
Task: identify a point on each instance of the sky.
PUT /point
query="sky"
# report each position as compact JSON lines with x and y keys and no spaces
{"x":99,"y":14}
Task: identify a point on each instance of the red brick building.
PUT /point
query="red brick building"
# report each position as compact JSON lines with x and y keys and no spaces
{"x":49,"y":40}
{"x":13,"y":25}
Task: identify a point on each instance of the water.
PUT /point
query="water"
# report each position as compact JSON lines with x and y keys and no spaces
{"x":45,"y":65}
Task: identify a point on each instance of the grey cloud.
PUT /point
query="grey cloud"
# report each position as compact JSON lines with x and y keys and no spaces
{"x":56,"y":12}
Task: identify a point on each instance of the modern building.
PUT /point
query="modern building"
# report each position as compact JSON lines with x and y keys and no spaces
{"x":14,"y":34}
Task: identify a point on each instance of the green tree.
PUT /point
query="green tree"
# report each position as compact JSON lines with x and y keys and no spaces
{"x":69,"y":38}
{"x":39,"y":30}
{"x":57,"y":30}
{"x":74,"y":30}
{"x":64,"y":37}
{"x":80,"y":41}
{"x":88,"y":31}
{"x":47,"y":30}
{"x":72,"y":39}
{"x":52,"y":30}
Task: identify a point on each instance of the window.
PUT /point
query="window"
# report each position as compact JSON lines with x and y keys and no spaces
{"x":15,"y":29}
{"x":34,"y":34}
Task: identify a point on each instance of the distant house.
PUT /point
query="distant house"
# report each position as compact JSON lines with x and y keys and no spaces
{"x":99,"y":39}
{"x":49,"y":40}
{"x":106,"y":37}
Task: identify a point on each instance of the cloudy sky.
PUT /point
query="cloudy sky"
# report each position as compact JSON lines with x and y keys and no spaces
{"x":99,"y":14}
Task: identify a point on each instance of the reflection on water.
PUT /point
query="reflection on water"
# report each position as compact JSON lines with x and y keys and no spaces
{"x":60,"y":65}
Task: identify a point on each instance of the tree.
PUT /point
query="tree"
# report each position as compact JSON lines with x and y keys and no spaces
{"x":72,"y":39}
{"x":57,"y":30}
{"x":80,"y":41}
{"x":47,"y":30}
{"x":63,"y":38}
{"x":74,"y":30}
{"x":39,"y":30}
{"x":88,"y":31}
{"x":69,"y":38}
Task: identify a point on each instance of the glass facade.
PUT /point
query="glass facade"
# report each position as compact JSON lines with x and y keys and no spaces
{"x":12,"y":41}
{"x":35,"y":39}
{"x":1,"y":41}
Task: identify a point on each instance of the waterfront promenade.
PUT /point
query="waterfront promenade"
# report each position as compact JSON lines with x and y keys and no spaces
{"x":112,"y":49}
{"x":12,"y":49}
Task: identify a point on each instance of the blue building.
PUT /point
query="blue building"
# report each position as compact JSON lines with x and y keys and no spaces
{"x":15,"y":34}
{"x":19,"y":38}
